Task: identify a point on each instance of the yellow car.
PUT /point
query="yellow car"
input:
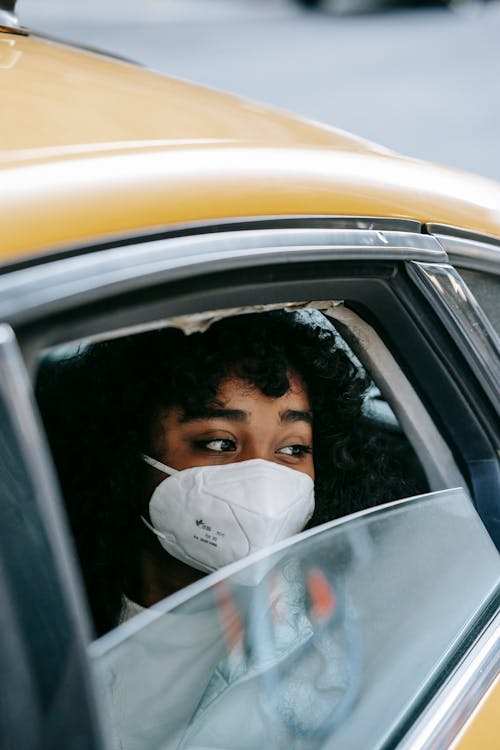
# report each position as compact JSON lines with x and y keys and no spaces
{"x":133,"y":203}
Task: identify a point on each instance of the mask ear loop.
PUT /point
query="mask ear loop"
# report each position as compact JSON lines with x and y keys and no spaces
{"x":166,"y":470}
{"x":158,"y":465}
{"x":152,"y":528}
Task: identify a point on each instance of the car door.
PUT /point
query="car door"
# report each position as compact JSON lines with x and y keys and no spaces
{"x":389,"y":286}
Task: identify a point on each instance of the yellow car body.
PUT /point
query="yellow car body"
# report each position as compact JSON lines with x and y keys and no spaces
{"x":93,"y":149}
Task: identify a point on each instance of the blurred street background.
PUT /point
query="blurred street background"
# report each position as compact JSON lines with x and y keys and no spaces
{"x":423,"y":80}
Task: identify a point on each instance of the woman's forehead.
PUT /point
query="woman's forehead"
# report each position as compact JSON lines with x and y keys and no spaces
{"x":236,"y":400}
{"x":235,"y":389}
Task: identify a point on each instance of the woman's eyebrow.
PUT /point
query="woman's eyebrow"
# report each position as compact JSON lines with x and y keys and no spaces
{"x":233,"y":415}
{"x":292,"y":415}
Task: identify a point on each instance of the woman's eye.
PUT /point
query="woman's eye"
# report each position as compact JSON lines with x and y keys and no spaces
{"x":218,"y":445}
{"x":297,"y":451}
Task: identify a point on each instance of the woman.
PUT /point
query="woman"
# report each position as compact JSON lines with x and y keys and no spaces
{"x":270,"y":394}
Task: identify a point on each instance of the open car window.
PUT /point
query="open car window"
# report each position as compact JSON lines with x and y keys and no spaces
{"x":331,"y":638}
{"x":389,"y":407}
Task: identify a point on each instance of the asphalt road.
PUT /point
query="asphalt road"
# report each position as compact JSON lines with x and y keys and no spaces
{"x":422,"y":81}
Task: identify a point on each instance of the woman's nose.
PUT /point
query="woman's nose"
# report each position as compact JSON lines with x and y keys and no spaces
{"x":254,"y":451}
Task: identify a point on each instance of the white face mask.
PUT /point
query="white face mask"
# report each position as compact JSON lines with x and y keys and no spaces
{"x":209,"y":516}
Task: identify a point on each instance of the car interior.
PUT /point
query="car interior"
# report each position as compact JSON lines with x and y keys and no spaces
{"x":391,"y":403}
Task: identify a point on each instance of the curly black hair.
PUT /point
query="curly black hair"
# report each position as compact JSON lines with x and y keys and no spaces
{"x":99,"y":405}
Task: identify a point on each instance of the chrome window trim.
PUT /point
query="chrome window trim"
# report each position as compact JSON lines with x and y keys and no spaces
{"x":325,"y":221}
{"x":464,"y":319}
{"x":449,"y":230}
{"x":54,"y":286}
{"x":448,"y":712}
{"x":223,"y":224}
{"x":468,"y":250}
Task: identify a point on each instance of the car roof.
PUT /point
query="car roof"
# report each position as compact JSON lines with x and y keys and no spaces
{"x":92,"y":147}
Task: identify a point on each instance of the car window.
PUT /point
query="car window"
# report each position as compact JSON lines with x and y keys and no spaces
{"x":330,"y":638}
{"x":377,"y":413}
{"x":486,"y":289}
{"x":73,"y":390}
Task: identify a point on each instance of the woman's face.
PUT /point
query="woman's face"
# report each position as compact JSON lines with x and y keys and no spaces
{"x":244,"y":424}
{"x":241,"y":425}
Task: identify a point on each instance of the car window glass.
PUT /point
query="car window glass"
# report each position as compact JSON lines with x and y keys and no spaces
{"x":486,"y":289}
{"x":329,"y":640}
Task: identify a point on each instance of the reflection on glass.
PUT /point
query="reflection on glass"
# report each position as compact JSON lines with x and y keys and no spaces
{"x":328,"y":641}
